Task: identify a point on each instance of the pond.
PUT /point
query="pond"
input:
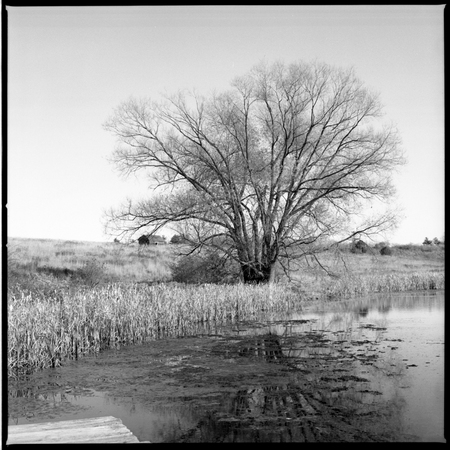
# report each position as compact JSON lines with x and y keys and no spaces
{"x":369,"y":369}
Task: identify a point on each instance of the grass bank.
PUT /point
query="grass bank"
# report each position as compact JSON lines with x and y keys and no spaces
{"x":409,"y":268}
{"x":351,"y":286}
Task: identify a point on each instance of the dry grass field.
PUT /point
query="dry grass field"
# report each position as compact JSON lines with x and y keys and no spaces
{"x":410,"y":267}
{"x":131,"y":263}
{"x":104,"y":262}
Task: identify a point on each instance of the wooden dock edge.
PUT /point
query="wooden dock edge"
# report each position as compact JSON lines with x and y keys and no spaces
{"x":106,"y":429}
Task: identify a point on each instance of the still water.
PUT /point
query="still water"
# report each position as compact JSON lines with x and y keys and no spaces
{"x":367,"y":369}
{"x":414,"y":335}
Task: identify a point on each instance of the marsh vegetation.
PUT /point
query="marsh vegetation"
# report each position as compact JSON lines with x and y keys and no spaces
{"x":67,"y":299}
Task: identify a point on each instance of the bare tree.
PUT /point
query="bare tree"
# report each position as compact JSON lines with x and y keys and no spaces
{"x":266,"y":172}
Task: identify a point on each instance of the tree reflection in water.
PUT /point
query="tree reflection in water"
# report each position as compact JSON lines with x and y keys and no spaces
{"x":334,"y":403}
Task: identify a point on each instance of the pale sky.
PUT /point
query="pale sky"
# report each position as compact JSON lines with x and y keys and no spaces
{"x":69,"y":67}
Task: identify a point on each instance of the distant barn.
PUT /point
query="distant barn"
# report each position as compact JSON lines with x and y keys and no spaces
{"x":359,"y":246}
{"x":157,"y":240}
{"x":147,"y":239}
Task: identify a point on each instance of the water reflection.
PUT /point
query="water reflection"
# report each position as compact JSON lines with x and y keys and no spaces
{"x":387,"y":338}
{"x":365,"y":370}
{"x":162,"y":422}
{"x":295,"y":413}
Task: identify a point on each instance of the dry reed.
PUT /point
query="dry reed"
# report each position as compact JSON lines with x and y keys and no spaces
{"x":351,"y":286}
{"x":44,"y":332}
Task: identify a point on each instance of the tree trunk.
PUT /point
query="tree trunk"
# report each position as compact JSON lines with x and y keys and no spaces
{"x":273,"y":273}
{"x":258,"y":273}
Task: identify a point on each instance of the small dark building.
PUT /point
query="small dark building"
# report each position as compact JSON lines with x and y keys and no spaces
{"x":157,"y":240}
{"x":144,"y":240}
{"x":359,"y":246}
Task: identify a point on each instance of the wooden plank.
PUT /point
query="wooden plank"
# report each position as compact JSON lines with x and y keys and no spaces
{"x":70,"y":424}
{"x":99,"y":429}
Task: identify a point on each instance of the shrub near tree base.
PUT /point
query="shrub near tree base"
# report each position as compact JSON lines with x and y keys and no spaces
{"x":386,"y":251}
{"x":205,"y":269}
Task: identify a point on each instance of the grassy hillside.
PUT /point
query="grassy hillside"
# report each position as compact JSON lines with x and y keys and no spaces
{"x":34,"y":262}
{"x":348,"y":273}
{"x":42,"y":261}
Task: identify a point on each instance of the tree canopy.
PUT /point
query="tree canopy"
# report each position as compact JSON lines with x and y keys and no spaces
{"x":264,"y":172}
